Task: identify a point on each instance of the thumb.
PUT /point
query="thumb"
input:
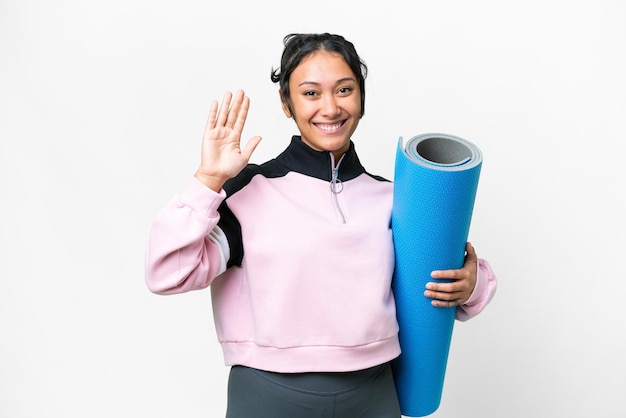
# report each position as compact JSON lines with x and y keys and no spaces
{"x":470,"y":252}
{"x":250,"y":147}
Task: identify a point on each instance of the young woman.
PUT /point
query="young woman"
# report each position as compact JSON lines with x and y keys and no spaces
{"x":298,"y":251}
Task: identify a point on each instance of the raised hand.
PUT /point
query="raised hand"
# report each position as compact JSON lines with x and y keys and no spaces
{"x":221,"y":155}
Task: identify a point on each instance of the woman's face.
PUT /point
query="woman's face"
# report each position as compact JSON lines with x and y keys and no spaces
{"x":326,"y":102}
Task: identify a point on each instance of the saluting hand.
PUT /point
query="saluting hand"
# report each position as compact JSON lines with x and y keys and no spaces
{"x":222,"y":157}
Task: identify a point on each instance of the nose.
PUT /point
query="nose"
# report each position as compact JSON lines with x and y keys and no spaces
{"x":330,"y":106}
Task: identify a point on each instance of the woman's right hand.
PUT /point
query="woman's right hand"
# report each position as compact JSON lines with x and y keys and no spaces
{"x":222,"y":156}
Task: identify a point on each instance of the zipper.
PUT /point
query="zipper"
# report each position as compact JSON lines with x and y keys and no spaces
{"x":336,"y":186}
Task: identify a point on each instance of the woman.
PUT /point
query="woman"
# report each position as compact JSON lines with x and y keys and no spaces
{"x":298,"y":251}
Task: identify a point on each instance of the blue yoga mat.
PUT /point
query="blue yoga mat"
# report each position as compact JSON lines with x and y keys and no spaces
{"x":435,"y":183}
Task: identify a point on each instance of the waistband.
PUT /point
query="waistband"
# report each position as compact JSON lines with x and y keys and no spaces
{"x":329,"y":382}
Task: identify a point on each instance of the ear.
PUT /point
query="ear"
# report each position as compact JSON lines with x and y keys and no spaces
{"x":284,"y":105}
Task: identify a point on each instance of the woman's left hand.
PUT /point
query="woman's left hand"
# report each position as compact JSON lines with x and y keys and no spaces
{"x":459,"y":289}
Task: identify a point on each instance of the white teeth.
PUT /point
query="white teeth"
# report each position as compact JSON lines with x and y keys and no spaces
{"x":329,"y":128}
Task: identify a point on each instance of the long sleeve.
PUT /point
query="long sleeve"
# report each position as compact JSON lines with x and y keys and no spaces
{"x":186,"y":250}
{"x":486,"y":285}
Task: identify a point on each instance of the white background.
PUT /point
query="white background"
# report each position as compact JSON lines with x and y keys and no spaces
{"x":102,"y":106}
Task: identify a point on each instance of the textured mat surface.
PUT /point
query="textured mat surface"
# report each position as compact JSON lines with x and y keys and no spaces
{"x":435,"y":182}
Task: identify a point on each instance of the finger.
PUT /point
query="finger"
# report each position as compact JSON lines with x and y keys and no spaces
{"x":224,"y":108}
{"x":242,"y":114}
{"x":233,"y":112}
{"x":450,"y":287}
{"x":456,"y":292}
{"x":445,"y":303}
{"x":434,"y":294}
{"x":212,"y":119}
{"x":455,"y":274}
{"x":444,"y":295}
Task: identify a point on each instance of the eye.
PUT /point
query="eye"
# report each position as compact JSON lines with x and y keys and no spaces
{"x":310,"y":93}
{"x":345,"y":90}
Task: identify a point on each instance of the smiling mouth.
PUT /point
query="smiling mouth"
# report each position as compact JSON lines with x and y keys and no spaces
{"x":330,"y":127}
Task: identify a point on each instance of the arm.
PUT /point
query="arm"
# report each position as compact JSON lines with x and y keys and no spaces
{"x":471,"y":289}
{"x":186,"y":249}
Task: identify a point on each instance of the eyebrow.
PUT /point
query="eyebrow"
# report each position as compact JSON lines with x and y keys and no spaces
{"x":341,"y":80}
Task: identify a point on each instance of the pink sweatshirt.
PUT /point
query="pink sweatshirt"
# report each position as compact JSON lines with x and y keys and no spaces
{"x":299,"y":257}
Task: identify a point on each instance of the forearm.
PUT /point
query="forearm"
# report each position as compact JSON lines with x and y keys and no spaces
{"x":180,"y":255}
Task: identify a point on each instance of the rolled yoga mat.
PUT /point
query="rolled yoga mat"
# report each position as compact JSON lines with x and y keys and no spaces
{"x":435,"y":183}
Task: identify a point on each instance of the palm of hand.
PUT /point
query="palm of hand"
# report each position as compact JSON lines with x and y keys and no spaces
{"x":222,"y":156}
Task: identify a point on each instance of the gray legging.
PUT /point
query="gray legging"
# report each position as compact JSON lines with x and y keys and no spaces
{"x":369,"y":393}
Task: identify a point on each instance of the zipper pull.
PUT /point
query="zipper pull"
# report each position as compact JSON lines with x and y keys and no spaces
{"x":335,"y":184}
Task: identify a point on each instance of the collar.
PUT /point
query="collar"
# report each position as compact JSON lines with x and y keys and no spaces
{"x":301,"y":158}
